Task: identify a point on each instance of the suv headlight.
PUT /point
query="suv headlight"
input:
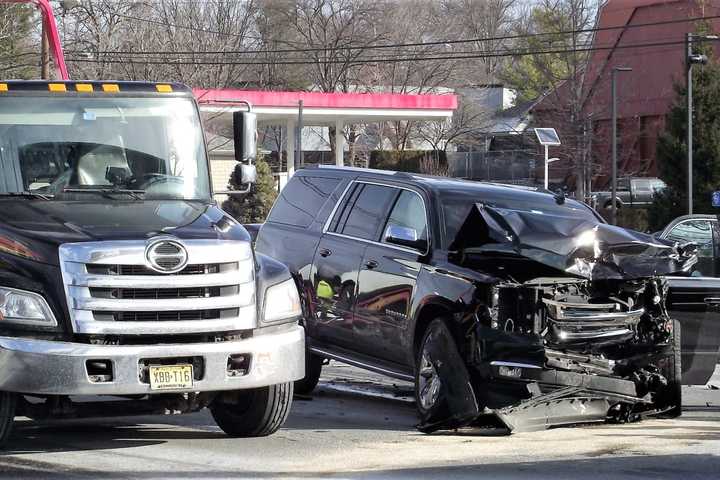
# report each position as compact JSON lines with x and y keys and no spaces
{"x":282,"y":302}
{"x":24,"y":308}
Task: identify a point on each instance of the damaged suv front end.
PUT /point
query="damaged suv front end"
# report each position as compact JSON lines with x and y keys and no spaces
{"x":566,"y":322}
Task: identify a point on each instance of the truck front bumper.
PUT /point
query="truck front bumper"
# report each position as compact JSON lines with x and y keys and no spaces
{"x":60,"y":368}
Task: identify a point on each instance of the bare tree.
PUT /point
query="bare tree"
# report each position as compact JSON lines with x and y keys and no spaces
{"x":170,"y":34}
{"x":560,"y":76}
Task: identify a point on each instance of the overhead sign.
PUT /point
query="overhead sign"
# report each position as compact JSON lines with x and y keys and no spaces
{"x":547,"y":136}
{"x":716,"y":199}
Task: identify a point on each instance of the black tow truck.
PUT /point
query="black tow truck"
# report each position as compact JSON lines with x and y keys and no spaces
{"x":119,"y":275}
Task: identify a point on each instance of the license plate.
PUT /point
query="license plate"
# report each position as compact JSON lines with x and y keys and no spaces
{"x":170,"y":377}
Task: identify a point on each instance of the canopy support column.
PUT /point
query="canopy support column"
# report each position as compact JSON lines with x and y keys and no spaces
{"x":290,"y":147}
{"x":339,"y":142}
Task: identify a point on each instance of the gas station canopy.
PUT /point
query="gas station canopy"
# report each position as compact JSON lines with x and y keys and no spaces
{"x":319,"y":109}
{"x":327,"y":108}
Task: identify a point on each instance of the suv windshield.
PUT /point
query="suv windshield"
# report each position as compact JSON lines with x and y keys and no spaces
{"x":69,"y":147}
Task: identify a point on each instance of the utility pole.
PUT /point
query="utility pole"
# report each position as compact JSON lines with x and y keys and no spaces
{"x":613,"y":195}
{"x":44,"y":54}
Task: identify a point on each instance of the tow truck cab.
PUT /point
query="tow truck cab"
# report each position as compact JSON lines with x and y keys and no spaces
{"x":119,"y":274}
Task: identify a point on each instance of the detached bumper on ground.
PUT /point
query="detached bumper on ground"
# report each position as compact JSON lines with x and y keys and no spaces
{"x":60,"y":368}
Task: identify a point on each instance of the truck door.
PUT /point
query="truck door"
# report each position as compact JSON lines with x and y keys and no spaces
{"x":387,"y":280}
{"x":695,"y":300}
{"x":356,"y":221}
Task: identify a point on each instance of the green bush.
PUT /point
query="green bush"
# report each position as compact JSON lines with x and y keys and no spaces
{"x":254,"y":206}
{"x":404,"y":160}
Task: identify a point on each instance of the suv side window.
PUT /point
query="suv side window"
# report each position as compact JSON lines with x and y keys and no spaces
{"x":366,"y":211}
{"x":301,"y":200}
{"x":409,"y":212}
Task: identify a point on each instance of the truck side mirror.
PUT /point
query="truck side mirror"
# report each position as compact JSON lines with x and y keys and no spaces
{"x":245,"y":136}
{"x":248,"y":173}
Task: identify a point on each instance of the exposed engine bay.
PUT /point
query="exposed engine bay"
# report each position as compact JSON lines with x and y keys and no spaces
{"x":573,"y":330}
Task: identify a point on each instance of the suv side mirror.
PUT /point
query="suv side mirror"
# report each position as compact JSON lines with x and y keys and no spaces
{"x":245,"y":136}
{"x":404,"y":236}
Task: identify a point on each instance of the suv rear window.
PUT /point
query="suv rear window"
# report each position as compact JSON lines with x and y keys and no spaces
{"x":301,"y":200}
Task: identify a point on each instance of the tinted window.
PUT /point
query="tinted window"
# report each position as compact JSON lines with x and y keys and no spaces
{"x":301,"y":200}
{"x":696,"y":231}
{"x":368,"y":213}
{"x":409,"y":212}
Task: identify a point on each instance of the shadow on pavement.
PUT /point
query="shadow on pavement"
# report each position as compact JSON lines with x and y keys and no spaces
{"x":610,"y":466}
{"x":102,"y":434}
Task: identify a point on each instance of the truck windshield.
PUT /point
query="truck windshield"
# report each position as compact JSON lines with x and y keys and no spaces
{"x":112,"y":147}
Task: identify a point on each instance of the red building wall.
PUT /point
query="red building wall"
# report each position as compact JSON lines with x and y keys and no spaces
{"x":646,"y":94}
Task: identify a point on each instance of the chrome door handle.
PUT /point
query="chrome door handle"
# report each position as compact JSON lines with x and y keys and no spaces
{"x":324,"y":252}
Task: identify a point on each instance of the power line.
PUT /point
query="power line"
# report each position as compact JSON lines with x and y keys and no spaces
{"x":383,"y":46}
{"x":510,"y":53}
{"x":384,"y":55}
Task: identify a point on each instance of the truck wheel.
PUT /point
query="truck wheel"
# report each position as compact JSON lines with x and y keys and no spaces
{"x":257,"y":412}
{"x":672,"y":371}
{"x":313,"y":369}
{"x":8,"y":401}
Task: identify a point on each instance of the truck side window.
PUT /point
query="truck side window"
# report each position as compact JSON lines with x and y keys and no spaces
{"x":368,"y":213}
{"x":301,"y":200}
{"x":409,"y":212}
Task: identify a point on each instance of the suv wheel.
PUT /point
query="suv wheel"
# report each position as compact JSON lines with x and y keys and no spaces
{"x":427,"y":380}
{"x":8,"y":402}
{"x":257,"y":412}
{"x":313,"y":369}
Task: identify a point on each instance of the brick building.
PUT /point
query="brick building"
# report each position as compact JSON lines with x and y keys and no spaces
{"x":646,"y":94}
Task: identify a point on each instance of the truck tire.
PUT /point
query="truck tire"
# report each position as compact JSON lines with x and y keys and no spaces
{"x":313,"y":369}
{"x":257,"y":412}
{"x":672,"y":371}
{"x":8,"y":402}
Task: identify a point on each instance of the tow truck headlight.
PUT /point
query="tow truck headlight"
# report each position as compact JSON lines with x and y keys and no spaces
{"x":282,"y":302}
{"x":24,"y":308}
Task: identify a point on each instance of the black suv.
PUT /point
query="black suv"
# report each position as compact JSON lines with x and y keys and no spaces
{"x":487,"y":296}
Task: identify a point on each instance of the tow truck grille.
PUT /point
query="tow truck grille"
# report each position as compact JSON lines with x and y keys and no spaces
{"x":111,"y":291}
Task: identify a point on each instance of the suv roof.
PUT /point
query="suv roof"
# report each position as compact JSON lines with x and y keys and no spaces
{"x":430,"y":182}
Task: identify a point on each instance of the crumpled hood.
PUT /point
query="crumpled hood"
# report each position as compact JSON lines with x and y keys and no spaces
{"x":578,"y":246}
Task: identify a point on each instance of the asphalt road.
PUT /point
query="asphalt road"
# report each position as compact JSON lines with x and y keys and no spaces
{"x":359,"y":425}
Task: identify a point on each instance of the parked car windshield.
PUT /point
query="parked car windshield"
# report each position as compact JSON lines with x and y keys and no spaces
{"x":69,"y":147}
{"x":458,"y":202}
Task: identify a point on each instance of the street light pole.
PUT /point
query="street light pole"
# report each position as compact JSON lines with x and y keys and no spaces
{"x":688,"y":43}
{"x":546,"y":167}
{"x":690,"y":60}
{"x":613,"y":195}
